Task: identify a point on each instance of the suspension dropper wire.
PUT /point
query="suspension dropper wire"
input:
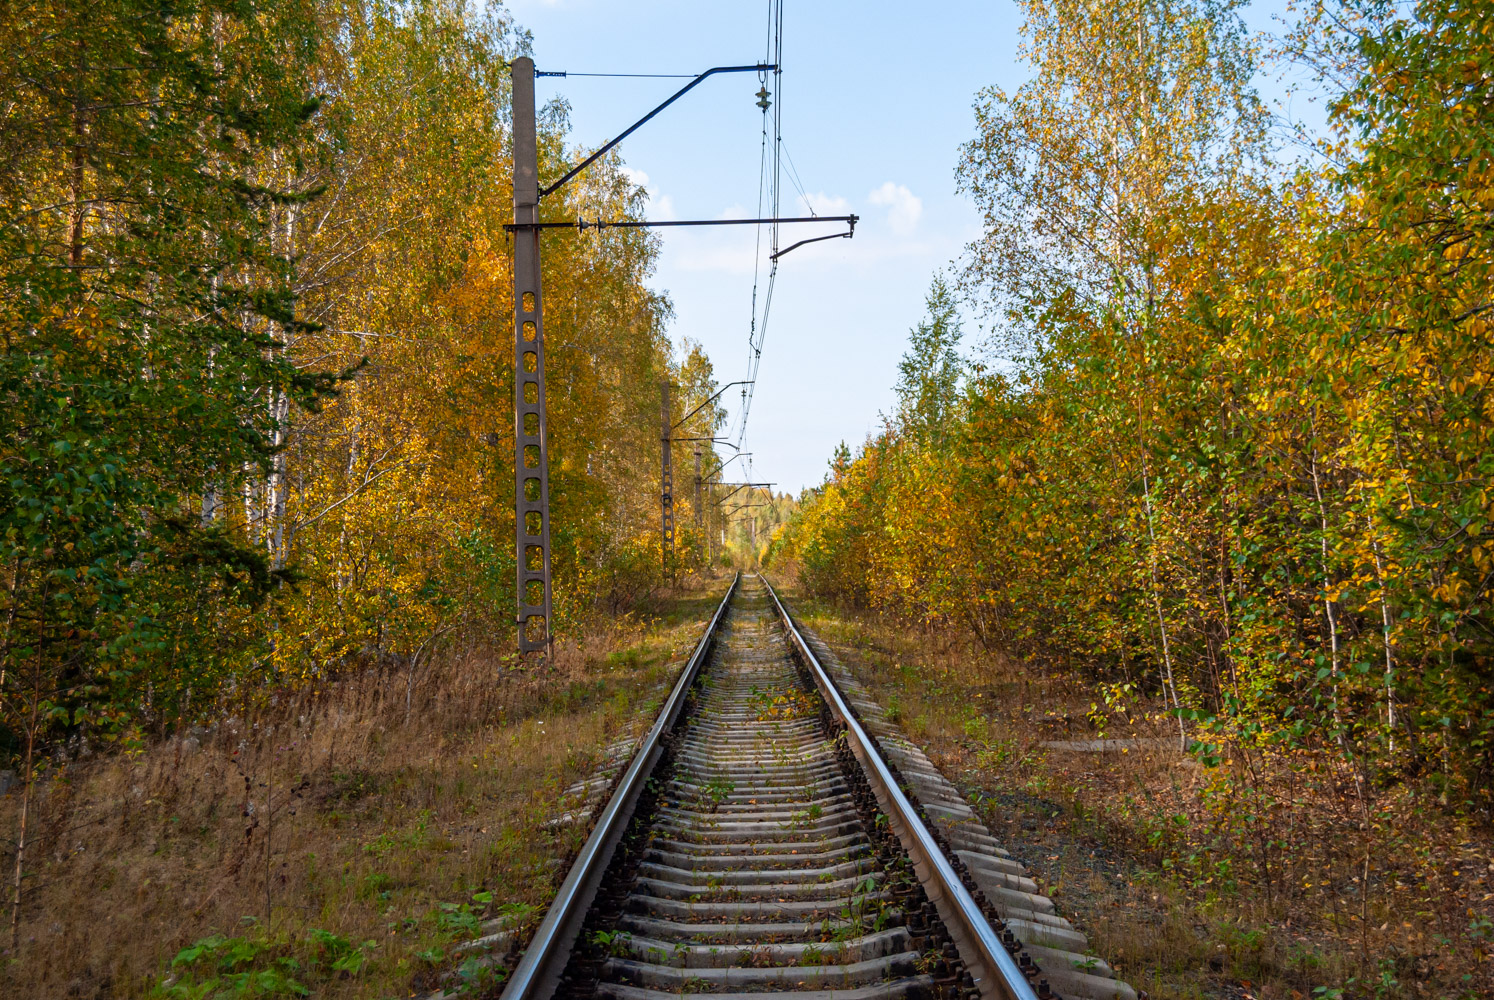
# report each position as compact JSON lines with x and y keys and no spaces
{"x":739,"y":424}
{"x":775,"y":42}
{"x":739,"y":428}
{"x":739,"y":431}
{"x":793,"y":172}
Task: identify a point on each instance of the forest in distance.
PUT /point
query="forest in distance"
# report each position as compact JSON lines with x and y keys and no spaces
{"x":1219,"y":454}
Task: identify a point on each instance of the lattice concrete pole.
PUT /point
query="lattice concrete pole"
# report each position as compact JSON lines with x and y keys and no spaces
{"x":699,"y":510}
{"x":531,"y":455}
{"x":666,"y":477}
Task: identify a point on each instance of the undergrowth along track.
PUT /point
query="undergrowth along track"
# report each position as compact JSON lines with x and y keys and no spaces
{"x":776,"y":834}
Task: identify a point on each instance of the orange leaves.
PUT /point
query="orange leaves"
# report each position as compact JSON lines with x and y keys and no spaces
{"x":1256,"y":423}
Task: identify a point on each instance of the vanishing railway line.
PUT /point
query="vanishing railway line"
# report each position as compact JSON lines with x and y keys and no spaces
{"x":774,"y":833}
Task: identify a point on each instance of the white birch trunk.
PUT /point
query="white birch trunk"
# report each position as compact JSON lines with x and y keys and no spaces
{"x":1146,"y":492}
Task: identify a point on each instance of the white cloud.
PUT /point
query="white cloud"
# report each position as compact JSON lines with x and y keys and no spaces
{"x":904,"y":208}
{"x":659,"y":205}
{"x":821,"y":203}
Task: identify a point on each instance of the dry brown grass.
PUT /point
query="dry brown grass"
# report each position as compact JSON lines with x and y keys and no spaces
{"x":1268,"y":876}
{"x":343,"y":813}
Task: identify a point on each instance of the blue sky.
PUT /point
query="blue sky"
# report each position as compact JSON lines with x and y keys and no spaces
{"x":876,"y":102}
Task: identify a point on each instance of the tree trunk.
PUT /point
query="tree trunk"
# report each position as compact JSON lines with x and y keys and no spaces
{"x":1328,"y":602}
{"x":1385,"y":624}
{"x":1146,"y":492}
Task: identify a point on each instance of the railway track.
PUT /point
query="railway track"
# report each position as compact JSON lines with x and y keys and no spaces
{"x":774,"y":833}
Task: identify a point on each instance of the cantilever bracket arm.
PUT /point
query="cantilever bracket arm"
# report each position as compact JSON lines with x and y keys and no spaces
{"x":758,"y":68}
{"x":738,"y":489}
{"x":725,"y":441}
{"x":715,"y":396}
{"x":583,"y":225}
{"x":848,"y":234}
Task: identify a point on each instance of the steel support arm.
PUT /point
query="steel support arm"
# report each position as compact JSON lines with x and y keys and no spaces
{"x":660,"y":224}
{"x":715,"y":396}
{"x":759,"y":67}
{"x":737,"y":487}
{"x":725,"y":441}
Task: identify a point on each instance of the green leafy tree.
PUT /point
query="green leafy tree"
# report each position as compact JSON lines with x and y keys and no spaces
{"x":144,"y":304}
{"x":930,"y":372}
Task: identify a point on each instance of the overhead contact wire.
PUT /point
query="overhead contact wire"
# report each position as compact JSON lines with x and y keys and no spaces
{"x":759,"y":333}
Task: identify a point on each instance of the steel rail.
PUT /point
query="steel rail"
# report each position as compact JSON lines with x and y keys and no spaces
{"x":539,"y":971}
{"x":995,"y":972}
